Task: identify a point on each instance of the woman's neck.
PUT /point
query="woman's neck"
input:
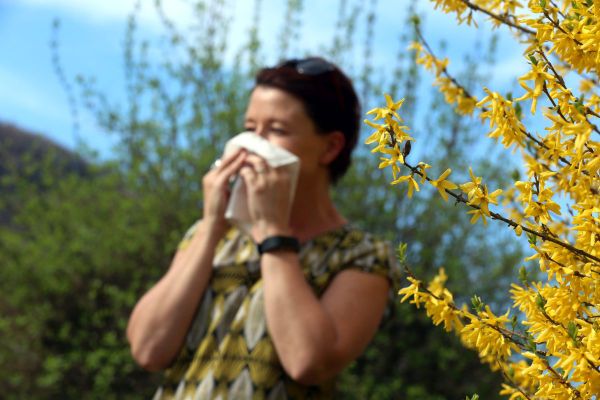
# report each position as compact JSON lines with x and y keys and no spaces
{"x":313,"y":211}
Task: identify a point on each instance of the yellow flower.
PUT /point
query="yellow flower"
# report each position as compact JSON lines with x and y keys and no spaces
{"x":412,"y":184}
{"x":423,"y":167}
{"x":586,"y":85}
{"x":503,"y":118}
{"x":441,"y":184}
{"x":477,"y":195}
{"x":540,"y":209}
{"x":473,"y":188}
{"x":380,"y":132}
{"x":480,"y":334}
{"x":389,"y":111}
{"x":476,"y":215}
{"x":539,"y":77}
{"x":412,"y":290}
{"x":454,"y":94}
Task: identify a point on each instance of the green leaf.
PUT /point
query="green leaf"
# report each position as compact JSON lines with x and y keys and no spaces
{"x":573,"y":331}
{"x":518,"y":110}
{"x":514,"y":321}
{"x":531,"y":238}
{"x":516,"y":175}
{"x":478,"y":304}
{"x":511,"y":372}
{"x":401,"y":253}
{"x":533,"y":59}
{"x":540,"y":302}
{"x":531,"y":345}
{"x":523,"y":275}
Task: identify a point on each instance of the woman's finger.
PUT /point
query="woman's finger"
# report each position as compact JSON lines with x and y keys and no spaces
{"x":227,"y":160}
{"x":231,"y":168}
{"x":248,"y":174}
{"x":259,"y":165}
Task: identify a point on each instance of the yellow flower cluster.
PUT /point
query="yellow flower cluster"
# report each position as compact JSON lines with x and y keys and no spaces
{"x":453,"y":94}
{"x":549,"y":348}
{"x":479,"y":196}
{"x":462,"y":7}
{"x":388,"y":135}
{"x":483,"y":331}
{"x":503,"y":118}
{"x":570,"y":28}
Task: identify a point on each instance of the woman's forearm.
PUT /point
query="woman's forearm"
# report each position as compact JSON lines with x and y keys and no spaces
{"x":161,"y":319}
{"x":303,"y":333}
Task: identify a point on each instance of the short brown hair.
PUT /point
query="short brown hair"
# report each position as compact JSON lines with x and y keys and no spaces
{"x":328,"y":97}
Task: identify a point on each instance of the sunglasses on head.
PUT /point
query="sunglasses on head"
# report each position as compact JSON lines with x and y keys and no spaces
{"x":309,"y":66}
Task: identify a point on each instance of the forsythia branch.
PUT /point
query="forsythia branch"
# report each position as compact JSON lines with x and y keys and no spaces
{"x":560,"y":79}
{"x":461,"y":199}
{"x":499,"y":18}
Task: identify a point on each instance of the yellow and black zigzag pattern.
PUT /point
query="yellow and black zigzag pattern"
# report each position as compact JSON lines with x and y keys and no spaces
{"x":228,"y":353}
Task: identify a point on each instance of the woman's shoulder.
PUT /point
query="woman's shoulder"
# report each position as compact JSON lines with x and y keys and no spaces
{"x":368,"y":252}
{"x":350,"y":245}
{"x":356,"y":241}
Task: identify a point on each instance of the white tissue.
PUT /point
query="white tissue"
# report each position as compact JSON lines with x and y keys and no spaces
{"x":237,"y":208}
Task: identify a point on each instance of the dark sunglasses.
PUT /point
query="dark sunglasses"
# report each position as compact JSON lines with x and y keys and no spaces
{"x":309,"y":66}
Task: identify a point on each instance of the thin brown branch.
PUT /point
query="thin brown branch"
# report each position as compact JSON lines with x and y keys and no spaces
{"x":560,"y":28}
{"x":497,"y":17}
{"x":508,"y":334}
{"x":561,"y":80}
{"x":575,"y":273}
{"x":514,"y":384}
{"x":483,"y":109}
{"x":544,"y":236}
{"x":556,"y":107}
{"x":557,"y":9}
{"x":505,"y":21}
{"x":561,"y":379}
{"x":558,"y":76}
{"x":445,"y":70}
{"x":523,"y":131}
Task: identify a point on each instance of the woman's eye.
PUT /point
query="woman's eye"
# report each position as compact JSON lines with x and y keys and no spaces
{"x":249,"y":128}
{"x":278,"y":131}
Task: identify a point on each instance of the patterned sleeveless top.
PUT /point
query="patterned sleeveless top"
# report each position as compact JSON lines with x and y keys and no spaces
{"x":228,"y":353}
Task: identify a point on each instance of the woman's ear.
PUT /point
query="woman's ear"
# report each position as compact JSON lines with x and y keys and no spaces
{"x":335,"y":142}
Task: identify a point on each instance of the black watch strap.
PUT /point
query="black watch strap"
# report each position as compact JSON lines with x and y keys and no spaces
{"x":273,"y":243}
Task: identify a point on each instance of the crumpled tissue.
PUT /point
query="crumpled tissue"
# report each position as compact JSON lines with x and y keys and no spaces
{"x":237,"y":208}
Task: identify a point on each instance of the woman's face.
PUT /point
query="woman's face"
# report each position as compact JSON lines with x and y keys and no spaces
{"x":281,"y":119}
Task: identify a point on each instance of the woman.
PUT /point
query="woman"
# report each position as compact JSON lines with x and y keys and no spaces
{"x":230,"y":321}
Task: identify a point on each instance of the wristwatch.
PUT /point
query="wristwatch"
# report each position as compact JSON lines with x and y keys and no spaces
{"x":274,"y":243}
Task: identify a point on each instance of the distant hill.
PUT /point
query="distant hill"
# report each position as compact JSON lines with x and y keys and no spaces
{"x":30,"y":156}
{"x":18,"y":145}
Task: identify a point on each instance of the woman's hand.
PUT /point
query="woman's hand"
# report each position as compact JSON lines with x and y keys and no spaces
{"x":216,"y":190}
{"x":269,"y":202}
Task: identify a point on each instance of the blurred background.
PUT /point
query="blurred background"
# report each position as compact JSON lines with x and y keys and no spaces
{"x":111,"y":112}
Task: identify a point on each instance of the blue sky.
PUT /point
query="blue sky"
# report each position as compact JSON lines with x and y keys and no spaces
{"x":92,"y":35}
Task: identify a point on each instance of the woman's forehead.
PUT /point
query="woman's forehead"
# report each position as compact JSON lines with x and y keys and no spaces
{"x":268,"y":100}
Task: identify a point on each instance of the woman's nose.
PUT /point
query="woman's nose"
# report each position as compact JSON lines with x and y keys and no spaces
{"x":261,"y":131}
